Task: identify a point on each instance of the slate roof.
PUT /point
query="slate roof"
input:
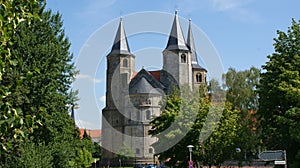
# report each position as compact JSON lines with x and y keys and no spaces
{"x":120,"y":45}
{"x":176,"y":39}
{"x":191,"y":45}
{"x":145,"y":83}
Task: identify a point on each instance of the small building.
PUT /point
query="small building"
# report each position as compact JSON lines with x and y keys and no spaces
{"x":94,"y":134}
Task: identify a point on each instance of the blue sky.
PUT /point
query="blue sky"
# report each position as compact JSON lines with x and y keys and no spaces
{"x":241,"y":32}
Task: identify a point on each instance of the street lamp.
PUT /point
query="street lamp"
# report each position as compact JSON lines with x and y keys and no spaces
{"x":190,"y":150}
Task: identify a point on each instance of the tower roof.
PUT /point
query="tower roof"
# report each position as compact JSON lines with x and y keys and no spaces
{"x":191,"y":45}
{"x":176,"y":39}
{"x":120,"y":45}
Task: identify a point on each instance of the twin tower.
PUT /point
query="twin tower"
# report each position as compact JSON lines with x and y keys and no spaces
{"x":133,"y":98}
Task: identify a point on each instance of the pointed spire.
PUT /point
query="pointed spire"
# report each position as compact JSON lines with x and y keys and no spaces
{"x":176,"y":40}
{"x":120,"y":45}
{"x":191,"y":44}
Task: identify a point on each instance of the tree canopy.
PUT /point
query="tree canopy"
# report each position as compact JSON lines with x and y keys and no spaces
{"x":36,"y":77}
{"x":279,"y":91}
{"x":187,"y":116}
{"x":241,"y":92}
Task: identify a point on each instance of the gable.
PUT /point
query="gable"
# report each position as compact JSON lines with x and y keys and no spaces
{"x":145,"y":83}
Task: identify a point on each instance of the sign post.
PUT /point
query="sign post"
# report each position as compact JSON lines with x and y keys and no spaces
{"x":278,"y":156}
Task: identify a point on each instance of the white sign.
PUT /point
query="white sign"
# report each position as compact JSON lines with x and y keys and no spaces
{"x":279,"y":162}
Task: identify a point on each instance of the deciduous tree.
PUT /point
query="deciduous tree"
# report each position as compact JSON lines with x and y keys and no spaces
{"x":279,"y":92}
{"x":240,"y":87}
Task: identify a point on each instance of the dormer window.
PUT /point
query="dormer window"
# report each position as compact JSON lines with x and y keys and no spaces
{"x":183,"y":58}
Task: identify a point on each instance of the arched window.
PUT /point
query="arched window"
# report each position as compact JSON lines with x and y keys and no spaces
{"x":125,"y":63}
{"x":198,"y":77}
{"x":148,"y":101}
{"x":148,"y":115}
{"x":150,"y":150}
{"x":183,"y":58}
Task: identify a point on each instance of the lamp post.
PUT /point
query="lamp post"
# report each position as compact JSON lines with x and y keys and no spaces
{"x":190,"y":150}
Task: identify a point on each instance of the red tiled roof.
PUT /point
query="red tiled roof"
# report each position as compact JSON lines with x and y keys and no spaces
{"x":156,"y":74}
{"x":134,"y":74}
{"x":91,"y":133}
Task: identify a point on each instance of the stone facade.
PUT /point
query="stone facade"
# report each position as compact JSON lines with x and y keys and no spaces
{"x":133,"y":98}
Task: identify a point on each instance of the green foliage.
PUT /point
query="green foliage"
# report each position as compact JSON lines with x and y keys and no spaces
{"x":33,"y":155}
{"x":175,"y":122}
{"x":220,"y":144}
{"x":36,"y":76}
{"x":187,"y":113}
{"x":241,"y":92}
{"x":13,"y":127}
{"x":125,"y":152}
{"x":241,"y":88}
{"x":84,"y":158}
{"x":279,"y":92}
{"x":94,"y":148}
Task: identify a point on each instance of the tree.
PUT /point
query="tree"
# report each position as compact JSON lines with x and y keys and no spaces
{"x":241,"y":92}
{"x":125,"y":152}
{"x":13,"y":128}
{"x":38,"y":83}
{"x":241,"y":88}
{"x":174,"y":125}
{"x":33,"y":155}
{"x":279,"y":92}
{"x":220,"y":145}
{"x":186,"y":113}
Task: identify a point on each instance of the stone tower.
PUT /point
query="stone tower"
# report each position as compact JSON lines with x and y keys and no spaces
{"x":120,"y":67}
{"x":177,"y":57}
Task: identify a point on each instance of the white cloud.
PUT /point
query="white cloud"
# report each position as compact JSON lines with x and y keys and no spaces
{"x":224,"y":5}
{"x":97,"y":5}
{"x":91,"y":9}
{"x":94,"y":80}
{"x":236,"y":9}
{"x":80,"y":76}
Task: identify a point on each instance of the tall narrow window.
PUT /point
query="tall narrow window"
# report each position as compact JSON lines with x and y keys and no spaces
{"x":137,"y":151}
{"x":198,"y":77}
{"x":138,"y":116}
{"x":125,"y":63}
{"x":183,"y":58}
{"x":148,"y":115}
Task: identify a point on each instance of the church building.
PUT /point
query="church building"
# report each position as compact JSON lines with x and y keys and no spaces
{"x":133,"y":98}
